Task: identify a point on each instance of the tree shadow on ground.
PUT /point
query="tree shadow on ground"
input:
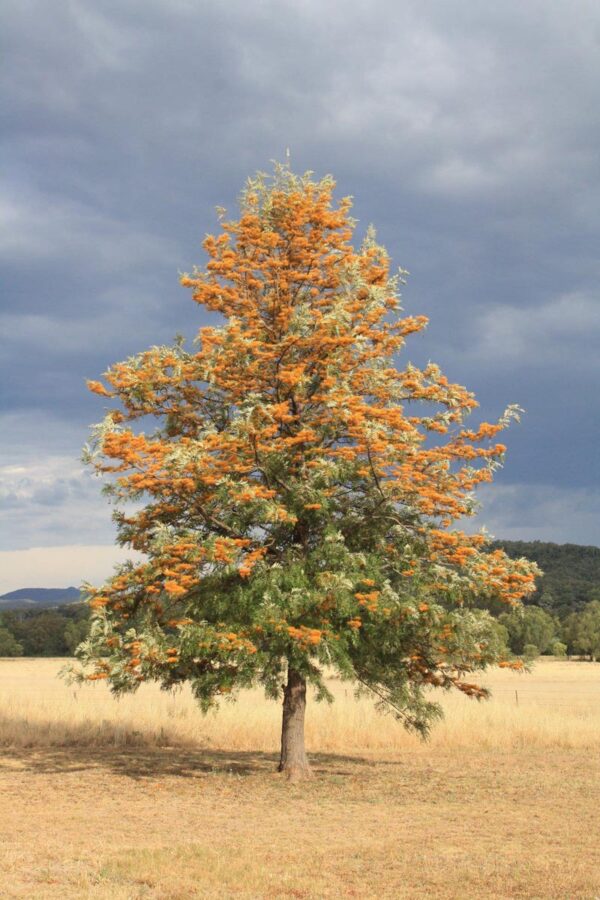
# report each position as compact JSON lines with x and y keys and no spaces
{"x":77,"y":751}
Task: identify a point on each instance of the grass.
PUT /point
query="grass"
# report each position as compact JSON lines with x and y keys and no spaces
{"x":145,"y":798}
{"x":557,"y":706}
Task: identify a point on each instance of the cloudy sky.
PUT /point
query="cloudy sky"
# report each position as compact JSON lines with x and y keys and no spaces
{"x":468,"y":133}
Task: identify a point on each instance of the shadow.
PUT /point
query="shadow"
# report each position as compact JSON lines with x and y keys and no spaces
{"x":140,"y":762}
{"x":44,"y":750}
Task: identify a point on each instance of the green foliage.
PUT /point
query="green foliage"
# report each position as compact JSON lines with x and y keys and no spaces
{"x":9,"y":646}
{"x":557,"y":648}
{"x":581,"y":631}
{"x":75,"y":632}
{"x":500,"y":637}
{"x":529,"y":626}
{"x":46,"y":632}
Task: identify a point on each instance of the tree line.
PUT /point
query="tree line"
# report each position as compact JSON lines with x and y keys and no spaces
{"x":44,"y":632}
{"x":562,"y":618}
{"x":527,"y":631}
{"x":531,"y":631}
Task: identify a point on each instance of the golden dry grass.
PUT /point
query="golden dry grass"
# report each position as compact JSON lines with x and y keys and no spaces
{"x":557,"y":705}
{"x":145,"y":798}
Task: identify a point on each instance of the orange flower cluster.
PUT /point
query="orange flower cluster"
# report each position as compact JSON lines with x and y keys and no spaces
{"x":231,"y":641}
{"x":370,"y":600}
{"x":250,"y":560}
{"x":305,"y":636}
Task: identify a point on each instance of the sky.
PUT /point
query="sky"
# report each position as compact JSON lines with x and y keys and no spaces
{"x":467,"y":133}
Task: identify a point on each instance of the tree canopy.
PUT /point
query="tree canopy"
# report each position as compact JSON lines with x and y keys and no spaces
{"x":530,"y":626}
{"x":299,"y":490}
{"x":582,"y":631}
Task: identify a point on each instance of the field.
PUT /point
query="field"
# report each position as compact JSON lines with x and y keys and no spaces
{"x":145,"y":798}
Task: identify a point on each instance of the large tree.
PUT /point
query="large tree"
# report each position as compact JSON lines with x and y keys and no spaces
{"x":297,"y":491}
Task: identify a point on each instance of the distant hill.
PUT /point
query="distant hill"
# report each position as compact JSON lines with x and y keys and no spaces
{"x":38,"y":598}
{"x":571,"y":573}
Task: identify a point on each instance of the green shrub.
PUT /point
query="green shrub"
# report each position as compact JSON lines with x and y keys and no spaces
{"x":557,"y":648}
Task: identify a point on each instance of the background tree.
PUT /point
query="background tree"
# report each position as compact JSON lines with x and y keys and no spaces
{"x":297,"y":508}
{"x":531,"y":626}
{"x":570,"y":632}
{"x":76,"y":630}
{"x":54,"y":631}
{"x":583,"y":631}
{"x":9,"y":646}
{"x":558,"y":648}
{"x":41,"y":634}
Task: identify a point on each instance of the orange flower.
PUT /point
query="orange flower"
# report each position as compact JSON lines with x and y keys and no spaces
{"x":173,"y":588}
{"x":98,"y":388}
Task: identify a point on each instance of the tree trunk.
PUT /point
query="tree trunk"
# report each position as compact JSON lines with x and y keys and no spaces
{"x":293,"y":762}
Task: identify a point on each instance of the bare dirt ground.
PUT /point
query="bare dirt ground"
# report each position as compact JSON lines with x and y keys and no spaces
{"x":172,"y":822}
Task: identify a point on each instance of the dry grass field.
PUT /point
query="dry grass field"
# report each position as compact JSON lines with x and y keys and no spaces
{"x":145,"y":798}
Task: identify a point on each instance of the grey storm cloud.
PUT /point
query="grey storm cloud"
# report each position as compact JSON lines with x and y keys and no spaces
{"x":467,"y":133}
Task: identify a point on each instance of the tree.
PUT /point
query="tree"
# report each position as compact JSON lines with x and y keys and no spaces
{"x":581,"y":631}
{"x":570,"y":632}
{"x":9,"y":646}
{"x":296,"y":509}
{"x":76,"y":631}
{"x":557,"y":648}
{"x":529,"y":626}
